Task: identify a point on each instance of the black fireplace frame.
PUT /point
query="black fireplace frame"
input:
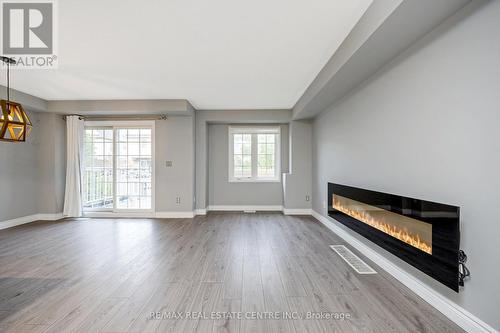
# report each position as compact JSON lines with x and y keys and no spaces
{"x":442,"y":264}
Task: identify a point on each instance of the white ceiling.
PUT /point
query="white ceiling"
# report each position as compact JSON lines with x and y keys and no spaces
{"x":218,"y":54}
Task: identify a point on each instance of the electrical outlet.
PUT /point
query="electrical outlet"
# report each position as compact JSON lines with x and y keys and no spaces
{"x":169,"y":164}
{"x":307,"y":198}
{"x":178,"y":200}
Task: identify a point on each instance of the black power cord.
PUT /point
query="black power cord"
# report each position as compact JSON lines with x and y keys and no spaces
{"x":463,"y":271}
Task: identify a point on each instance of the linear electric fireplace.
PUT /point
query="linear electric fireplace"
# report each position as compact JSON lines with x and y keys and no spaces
{"x":424,"y":234}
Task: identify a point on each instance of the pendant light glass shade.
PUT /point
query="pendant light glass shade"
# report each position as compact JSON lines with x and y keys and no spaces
{"x":15,"y":124}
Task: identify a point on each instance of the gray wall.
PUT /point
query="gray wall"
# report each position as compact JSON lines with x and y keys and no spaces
{"x":19,"y":176}
{"x":174,"y":141}
{"x":51,"y":163}
{"x":297,"y":183}
{"x":33,"y":172}
{"x":203,"y":118}
{"x":20,"y":164}
{"x":171,"y":107}
{"x":30,"y":103}
{"x":427,"y":126}
{"x":221,"y":191}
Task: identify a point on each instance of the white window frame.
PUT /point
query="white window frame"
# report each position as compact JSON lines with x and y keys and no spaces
{"x":120,"y":125}
{"x":254,"y":130}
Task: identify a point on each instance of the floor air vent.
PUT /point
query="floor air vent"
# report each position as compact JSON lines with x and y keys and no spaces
{"x":353,"y":260}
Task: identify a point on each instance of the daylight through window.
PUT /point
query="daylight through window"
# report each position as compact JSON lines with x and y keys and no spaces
{"x":254,"y":154}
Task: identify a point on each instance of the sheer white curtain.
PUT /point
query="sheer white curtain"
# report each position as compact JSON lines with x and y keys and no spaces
{"x":74,"y":160}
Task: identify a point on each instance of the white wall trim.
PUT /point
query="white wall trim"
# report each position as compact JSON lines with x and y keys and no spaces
{"x":160,"y":215}
{"x":18,"y":221}
{"x":200,"y":212}
{"x":297,"y":211}
{"x":453,"y":311}
{"x":266,"y":208}
{"x":175,"y":215}
{"x":262,"y":208}
{"x":50,"y":216}
{"x":98,"y":214}
{"x":28,"y":219}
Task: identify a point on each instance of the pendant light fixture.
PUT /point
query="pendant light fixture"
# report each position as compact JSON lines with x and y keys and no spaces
{"x":15,"y":124}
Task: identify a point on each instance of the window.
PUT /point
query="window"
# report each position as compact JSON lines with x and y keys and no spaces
{"x":118,"y":166}
{"x":254,"y":154}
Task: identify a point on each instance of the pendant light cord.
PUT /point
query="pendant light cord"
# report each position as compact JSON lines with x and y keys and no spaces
{"x":8,"y":61}
{"x":8,"y":82}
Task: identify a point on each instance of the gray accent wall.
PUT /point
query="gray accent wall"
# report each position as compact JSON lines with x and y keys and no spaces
{"x":222,"y":192}
{"x":427,"y":126}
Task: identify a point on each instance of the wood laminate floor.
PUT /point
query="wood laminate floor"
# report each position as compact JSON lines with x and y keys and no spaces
{"x":109,"y":275}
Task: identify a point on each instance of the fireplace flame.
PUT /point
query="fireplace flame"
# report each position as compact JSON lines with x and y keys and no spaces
{"x":403,"y":235}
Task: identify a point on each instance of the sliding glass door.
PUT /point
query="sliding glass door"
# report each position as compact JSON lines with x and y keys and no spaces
{"x":118,"y":168}
{"x":134,"y":168}
{"x":98,"y":169}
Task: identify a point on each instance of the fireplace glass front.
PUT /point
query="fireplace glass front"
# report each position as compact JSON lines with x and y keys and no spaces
{"x":423,"y":233}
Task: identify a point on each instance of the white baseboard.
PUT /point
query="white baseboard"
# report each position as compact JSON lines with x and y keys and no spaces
{"x":160,"y":215}
{"x":200,"y":212}
{"x":453,"y":311}
{"x":175,"y":215}
{"x":29,"y":219}
{"x":297,"y":211}
{"x":50,"y":217}
{"x":18,"y":221}
{"x":263,"y":208}
{"x":120,"y":214}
